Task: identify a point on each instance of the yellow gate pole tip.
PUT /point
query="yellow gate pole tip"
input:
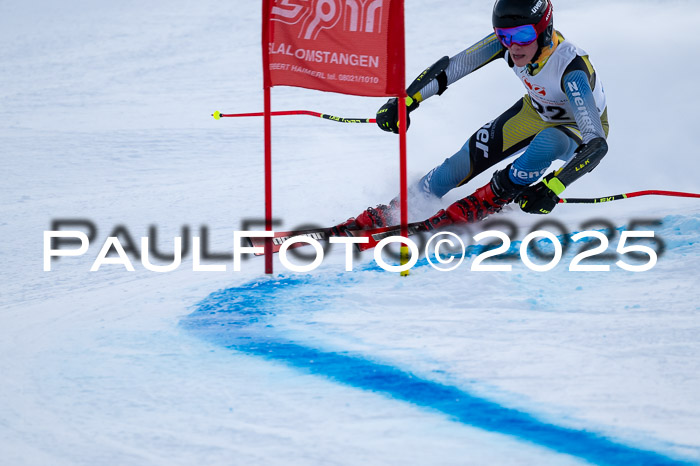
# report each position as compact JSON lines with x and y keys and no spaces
{"x":404,"y":260}
{"x":216,"y":115}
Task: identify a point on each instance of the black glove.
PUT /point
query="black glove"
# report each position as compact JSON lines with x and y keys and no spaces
{"x":540,"y":198}
{"x":388,"y":114}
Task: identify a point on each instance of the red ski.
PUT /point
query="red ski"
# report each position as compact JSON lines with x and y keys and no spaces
{"x":323,"y":234}
{"x":378,"y":234}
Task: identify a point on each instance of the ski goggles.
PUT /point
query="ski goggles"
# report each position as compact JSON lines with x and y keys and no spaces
{"x":525,"y":34}
{"x":520,"y":35}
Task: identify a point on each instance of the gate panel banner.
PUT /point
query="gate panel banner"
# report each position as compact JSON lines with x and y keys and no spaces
{"x":346,"y":46}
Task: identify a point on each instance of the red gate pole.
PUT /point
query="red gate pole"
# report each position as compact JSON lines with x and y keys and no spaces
{"x":403,"y":166}
{"x":268,"y":181}
{"x":268,"y":132}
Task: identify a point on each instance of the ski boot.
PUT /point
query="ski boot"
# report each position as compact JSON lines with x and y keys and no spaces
{"x":485,"y":201}
{"x":374,"y":217}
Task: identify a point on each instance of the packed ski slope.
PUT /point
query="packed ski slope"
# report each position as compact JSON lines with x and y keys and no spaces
{"x":105,"y":111}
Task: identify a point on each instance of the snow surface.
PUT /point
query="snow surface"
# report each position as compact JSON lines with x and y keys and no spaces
{"x":105,"y":110}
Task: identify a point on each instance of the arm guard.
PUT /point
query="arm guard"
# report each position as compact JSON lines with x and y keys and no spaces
{"x":586,"y":158}
{"x":435,"y":72}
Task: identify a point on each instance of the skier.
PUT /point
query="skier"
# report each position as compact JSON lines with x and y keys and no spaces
{"x":563,"y":116}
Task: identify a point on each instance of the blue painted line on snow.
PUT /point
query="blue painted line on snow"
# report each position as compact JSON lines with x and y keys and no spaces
{"x":239,"y":318}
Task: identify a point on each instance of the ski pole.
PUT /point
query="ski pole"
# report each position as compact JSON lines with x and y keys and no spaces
{"x":617,"y":197}
{"x":218,"y":115}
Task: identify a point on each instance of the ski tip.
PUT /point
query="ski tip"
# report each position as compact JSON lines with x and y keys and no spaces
{"x":249,"y":242}
{"x":216,"y":115}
